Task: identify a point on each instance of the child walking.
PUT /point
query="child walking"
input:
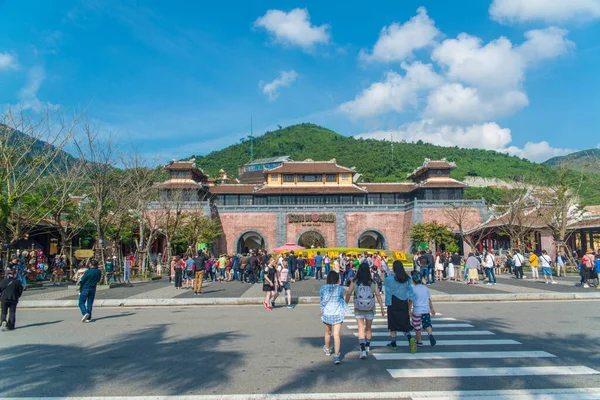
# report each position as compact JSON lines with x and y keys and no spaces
{"x":422,"y":310}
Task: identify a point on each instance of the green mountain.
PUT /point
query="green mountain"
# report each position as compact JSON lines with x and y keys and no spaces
{"x":373,"y":158}
{"x":585,"y":160}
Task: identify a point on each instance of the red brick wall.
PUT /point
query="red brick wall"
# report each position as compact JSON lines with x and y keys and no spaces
{"x":235,"y":223}
{"x":327,"y":229}
{"x":391,"y":224}
{"x":439,"y":215}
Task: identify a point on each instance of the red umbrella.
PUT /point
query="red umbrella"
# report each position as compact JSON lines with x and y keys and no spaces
{"x":288,"y":247}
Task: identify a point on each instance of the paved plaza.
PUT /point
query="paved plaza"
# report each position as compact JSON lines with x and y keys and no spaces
{"x":484,"y":350}
{"x":161,"y":289}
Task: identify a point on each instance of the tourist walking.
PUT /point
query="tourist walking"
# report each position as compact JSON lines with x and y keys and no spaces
{"x":269,"y":284}
{"x":472,"y":269}
{"x":188,"y":275}
{"x":518,"y":261}
{"x":587,"y":268}
{"x":283,"y":283}
{"x":301,"y":265}
{"x":199,"y":266}
{"x":489,"y":264}
{"x":546,"y":263}
{"x":318,"y":266}
{"x":398,"y":294}
{"x":87,"y":291}
{"x":455,"y":267}
{"x":365,"y":291}
{"x":439,"y":267}
{"x":11,"y":290}
{"x":422,"y":310}
{"x":560,"y":264}
{"x":534,"y":263}
{"x":178,"y":267}
{"x":333,"y":309}
{"x":327,"y":262}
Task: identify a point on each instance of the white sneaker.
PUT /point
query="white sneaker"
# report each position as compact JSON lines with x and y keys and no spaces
{"x":363,"y":354}
{"x":553,"y":282}
{"x":488,"y":283}
{"x":327,"y":351}
{"x":585,"y":285}
{"x":85,"y":317}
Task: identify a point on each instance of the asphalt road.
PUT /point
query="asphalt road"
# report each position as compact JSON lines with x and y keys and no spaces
{"x":246,"y":350}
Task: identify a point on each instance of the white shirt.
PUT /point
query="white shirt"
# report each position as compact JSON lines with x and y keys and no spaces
{"x":421,"y":299}
{"x":518,"y":260}
{"x":489,"y":261}
{"x":545,"y":260}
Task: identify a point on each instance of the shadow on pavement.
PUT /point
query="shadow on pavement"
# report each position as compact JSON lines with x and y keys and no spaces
{"x":571,"y":348}
{"x":114,"y":316}
{"x":149,"y":360}
{"x":39,"y":324}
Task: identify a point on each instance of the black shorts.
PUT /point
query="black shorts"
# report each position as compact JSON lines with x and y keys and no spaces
{"x":267,"y":288}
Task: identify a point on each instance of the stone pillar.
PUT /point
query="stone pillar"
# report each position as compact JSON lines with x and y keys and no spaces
{"x":583,"y":241}
{"x":281,"y":229}
{"x":592,"y":240}
{"x":341,"y":238}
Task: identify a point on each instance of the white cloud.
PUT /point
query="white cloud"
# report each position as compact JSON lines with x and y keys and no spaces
{"x":28,"y":94}
{"x":397,"y":42}
{"x":544,"y":44}
{"x":538,"y":152}
{"x":293,"y":28}
{"x":395,"y":93}
{"x":455,"y":103}
{"x":285,"y":78}
{"x":489,"y":136}
{"x":544,"y":10}
{"x":484,"y":136}
{"x":494,"y":65}
{"x":7,"y":61}
{"x":498,"y":64}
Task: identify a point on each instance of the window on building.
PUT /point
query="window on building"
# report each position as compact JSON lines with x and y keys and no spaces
{"x":288,"y":200}
{"x":331,"y":178}
{"x":345,"y":177}
{"x":310,"y":178}
{"x":346,"y":199}
{"x":274,"y":200}
{"x":274,"y":177}
{"x":231,"y":200}
{"x":360,"y":199}
{"x":374,"y":198}
{"x":387,"y":198}
{"x":332,"y":199}
{"x":220,"y":200}
{"x":260,"y":201}
{"x":288,"y":178}
{"x":181,"y":174}
{"x":246,"y":200}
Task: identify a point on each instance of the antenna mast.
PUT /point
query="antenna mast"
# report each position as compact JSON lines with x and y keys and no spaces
{"x":251,"y":142}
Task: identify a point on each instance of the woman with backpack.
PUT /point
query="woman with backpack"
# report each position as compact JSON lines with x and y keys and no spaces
{"x":398,"y":297}
{"x":333,"y":309}
{"x":365,"y":291}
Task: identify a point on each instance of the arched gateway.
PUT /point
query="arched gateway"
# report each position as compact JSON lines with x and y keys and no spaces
{"x":312,"y":238}
{"x":372,"y":239}
{"x":250,"y":240}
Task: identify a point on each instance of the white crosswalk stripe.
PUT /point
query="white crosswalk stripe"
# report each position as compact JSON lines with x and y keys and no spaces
{"x":467,"y":338}
{"x":473,"y":342}
{"x":436,"y":326}
{"x":462,"y":354}
{"x":440,"y":333}
{"x":511,"y":371}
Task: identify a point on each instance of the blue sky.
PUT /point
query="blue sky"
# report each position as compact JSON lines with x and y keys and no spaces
{"x":184,"y":77}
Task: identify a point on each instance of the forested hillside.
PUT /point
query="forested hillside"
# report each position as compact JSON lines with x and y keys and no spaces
{"x":585,"y":160}
{"x":372,"y":158}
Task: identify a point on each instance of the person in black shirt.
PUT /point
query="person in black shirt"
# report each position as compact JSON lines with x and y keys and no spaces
{"x":11,"y":290}
{"x":456,"y":265}
{"x":292,"y":265}
{"x":252,"y":267}
{"x":200,"y":265}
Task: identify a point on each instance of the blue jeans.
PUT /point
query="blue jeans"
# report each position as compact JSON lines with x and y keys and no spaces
{"x":425,"y":273}
{"x":327,"y":267}
{"x":86,"y":300}
{"x":22,"y":279}
{"x":236,"y":275}
{"x":342,"y":278}
{"x":318,"y":272}
{"x":430,"y":275}
{"x":491,"y":275}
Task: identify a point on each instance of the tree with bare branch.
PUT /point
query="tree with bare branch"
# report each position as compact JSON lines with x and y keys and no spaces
{"x":29,"y":149}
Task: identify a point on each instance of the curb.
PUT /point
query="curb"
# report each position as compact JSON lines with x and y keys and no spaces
{"x":233,"y":301}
